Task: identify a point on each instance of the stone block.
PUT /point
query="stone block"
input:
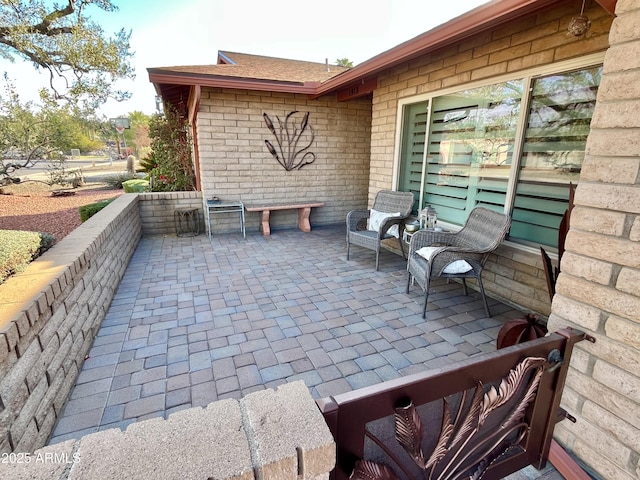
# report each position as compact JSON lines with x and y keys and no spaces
{"x":582,"y":315}
{"x":288,"y":435}
{"x":600,"y":140}
{"x":598,"y":296}
{"x":598,"y":221}
{"x":629,"y":281}
{"x":170,"y":449}
{"x":588,"y":432}
{"x":634,"y":234}
{"x":46,"y":404}
{"x":603,"y":466}
{"x":623,"y":330}
{"x":614,"y":426}
{"x":615,"y":353}
{"x":615,"y":402}
{"x":621,"y":381}
{"x":622,"y":198}
{"x":51,"y":327}
{"x":28,"y":438}
{"x":69,"y":380}
{"x":21,"y":425}
{"x":588,"y":268}
{"x":14,"y":381}
{"x":610,"y":169}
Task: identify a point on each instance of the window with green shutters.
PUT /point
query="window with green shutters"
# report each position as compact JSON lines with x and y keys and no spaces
{"x":512,"y":146}
{"x":413,"y":137}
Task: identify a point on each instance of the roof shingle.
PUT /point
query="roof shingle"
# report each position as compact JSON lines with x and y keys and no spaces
{"x":261,"y":68}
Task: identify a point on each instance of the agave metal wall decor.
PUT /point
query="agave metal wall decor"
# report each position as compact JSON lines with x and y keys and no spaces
{"x":468,"y":442}
{"x":289,"y":136}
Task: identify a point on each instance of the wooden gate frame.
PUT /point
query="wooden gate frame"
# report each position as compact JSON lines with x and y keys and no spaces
{"x":348,"y":414}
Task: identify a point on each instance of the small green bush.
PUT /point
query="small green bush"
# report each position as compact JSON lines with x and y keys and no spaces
{"x":19,"y":248}
{"x":88,"y":211}
{"x":136,"y":186}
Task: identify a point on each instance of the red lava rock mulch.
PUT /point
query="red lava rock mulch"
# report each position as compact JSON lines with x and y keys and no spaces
{"x":32,"y":207}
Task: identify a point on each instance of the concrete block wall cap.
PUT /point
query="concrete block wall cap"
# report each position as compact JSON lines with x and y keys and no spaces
{"x":287,"y":432}
{"x":194,"y":443}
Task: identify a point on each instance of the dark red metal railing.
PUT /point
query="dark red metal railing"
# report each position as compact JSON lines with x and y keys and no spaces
{"x":485,"y":417}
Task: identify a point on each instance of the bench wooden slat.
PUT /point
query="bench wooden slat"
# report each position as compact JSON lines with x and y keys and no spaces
{"x":304,"y":210}
{"x":282,"y":206}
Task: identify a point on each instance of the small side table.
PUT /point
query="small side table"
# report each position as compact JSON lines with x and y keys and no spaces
{"x":228,"y":206}
{"x":187,"y":222}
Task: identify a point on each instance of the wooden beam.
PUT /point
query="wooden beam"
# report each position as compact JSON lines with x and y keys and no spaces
{"x":356,"y":90}
{"x":564,"y":464}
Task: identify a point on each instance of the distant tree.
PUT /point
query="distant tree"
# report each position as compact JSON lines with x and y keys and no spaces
{"x":344,"y":62}
{"x":29,"y":133}
{"x":82,"y":61}
{"x":137,"y":136}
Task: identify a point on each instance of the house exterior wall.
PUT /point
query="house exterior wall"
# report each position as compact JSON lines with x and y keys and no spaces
{"x":235,"y":163}
{"x":514,"y":275}
{"x":598,"y":290}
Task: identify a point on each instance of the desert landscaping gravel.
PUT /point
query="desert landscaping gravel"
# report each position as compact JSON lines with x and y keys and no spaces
{"x":32,"y":206}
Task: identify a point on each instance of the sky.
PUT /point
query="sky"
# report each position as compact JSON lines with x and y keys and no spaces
{"x":191,"y":32}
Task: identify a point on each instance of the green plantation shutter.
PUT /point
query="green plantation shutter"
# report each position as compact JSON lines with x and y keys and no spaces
{"x":411,"y":156}
{"x":474,"y":136}
{"x":449,"y":158}
{"x":556,"y":133}
{"x":470,"y":150}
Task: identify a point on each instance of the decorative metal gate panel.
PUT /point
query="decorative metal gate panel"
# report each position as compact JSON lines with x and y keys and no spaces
{"x":486,"y":417}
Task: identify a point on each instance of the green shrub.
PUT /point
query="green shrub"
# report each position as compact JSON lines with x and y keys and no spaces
{"x":88,"y":211}
{"x":18,"y":249}
{"x":116,"y":180}
{"x":136,"y":186}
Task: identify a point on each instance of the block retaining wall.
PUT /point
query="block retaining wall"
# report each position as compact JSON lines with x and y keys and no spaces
{"x":51,"y":312}
{"x":49,"y":315}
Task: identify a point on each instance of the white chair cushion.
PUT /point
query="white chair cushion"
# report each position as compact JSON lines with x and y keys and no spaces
{"x":377,"y":218}
{"x":459,"y":266}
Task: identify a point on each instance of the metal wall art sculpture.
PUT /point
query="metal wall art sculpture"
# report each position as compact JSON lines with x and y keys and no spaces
{"x":289,"y":136}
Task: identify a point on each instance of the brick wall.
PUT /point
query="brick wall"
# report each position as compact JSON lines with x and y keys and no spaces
{"x":516,"y":275}
{"x":236,"y":165}
{"x":598,"y":290}
{"x":49,"y":315}
{"x":157,"y":210}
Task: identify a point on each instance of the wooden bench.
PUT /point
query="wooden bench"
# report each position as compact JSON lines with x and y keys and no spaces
{"x":304,"y":210}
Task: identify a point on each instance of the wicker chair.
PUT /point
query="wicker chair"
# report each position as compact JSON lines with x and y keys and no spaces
{"x":481,"y":234}
{"x":388,"y":202}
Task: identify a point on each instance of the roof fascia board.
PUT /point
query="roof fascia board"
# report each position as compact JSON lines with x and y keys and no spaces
{"x":608,"y":5}
{"x":477,"y":20}
{"x":306,"y":88}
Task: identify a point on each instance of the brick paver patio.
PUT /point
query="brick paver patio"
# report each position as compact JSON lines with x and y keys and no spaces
{"x":194,"y":321}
